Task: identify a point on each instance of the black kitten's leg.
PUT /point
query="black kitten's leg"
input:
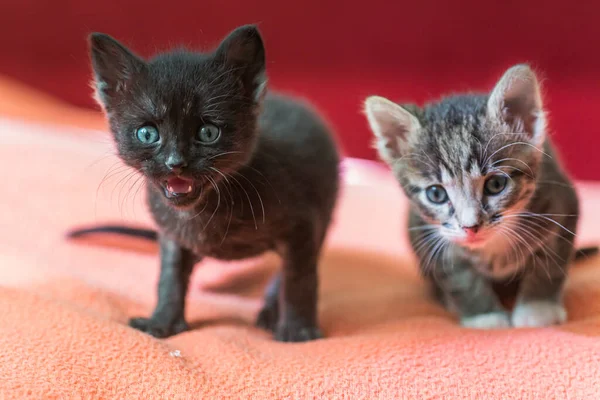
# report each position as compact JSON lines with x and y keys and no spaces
{"x":297,"y":302}
{"x":176,"y":265}
{"x":472,"y":297}
{"x":269,"y":315}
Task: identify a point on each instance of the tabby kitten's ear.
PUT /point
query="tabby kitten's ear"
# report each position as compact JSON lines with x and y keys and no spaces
{"x":114,"y":66}
{"x":517,"y":102}
{"x":392,"y":126}
{"x":244,"y":52}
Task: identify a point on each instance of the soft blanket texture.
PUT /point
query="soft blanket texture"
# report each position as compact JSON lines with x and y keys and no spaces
{"x":64,"y":305}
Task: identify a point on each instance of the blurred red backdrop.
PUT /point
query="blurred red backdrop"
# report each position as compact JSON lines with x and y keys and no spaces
{"x":335,"y":53}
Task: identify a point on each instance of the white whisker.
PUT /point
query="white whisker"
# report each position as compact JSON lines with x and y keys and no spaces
{"x":422,"y":227}
{"x":545,"y":217}
{"x":262,"y":206}
{"x":231,"y":201}
{"x":490,"y":141}
{"x":224,"y":154}
{"x":248,"y":197}
{"x":514,"y":159}
{"x":214,"y":184}
{"x":514,"y":144}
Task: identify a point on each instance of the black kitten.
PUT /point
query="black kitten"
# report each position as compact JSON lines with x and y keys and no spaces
{"x":230,"y":172}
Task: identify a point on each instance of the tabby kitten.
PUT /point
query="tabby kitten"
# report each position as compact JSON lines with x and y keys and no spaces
{"x":230,"y":172}
{"x":489,"y":201}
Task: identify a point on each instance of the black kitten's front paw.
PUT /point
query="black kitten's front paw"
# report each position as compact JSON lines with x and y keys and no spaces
{"x":159,"y":328}
{"x":268,"y":317}
{"x":296,"y":331}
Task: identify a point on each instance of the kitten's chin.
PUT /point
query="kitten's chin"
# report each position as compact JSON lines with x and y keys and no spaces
{"x":470,"y":242}
{"x":473,"y":242}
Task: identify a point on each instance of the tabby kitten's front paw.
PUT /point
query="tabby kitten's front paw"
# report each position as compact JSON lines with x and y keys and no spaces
{"x":296,"y":331}
{"x":538,"y":314}
{"x":159,"y":328}
{"x":492,"y":320}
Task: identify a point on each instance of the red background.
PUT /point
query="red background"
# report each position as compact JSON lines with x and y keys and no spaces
{"x":337,"y":52}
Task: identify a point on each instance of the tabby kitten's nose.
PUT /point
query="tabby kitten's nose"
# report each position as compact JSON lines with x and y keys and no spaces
{"x":471,"y":230}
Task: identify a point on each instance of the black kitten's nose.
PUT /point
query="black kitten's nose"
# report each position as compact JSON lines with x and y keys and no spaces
{"x":176,"y":164}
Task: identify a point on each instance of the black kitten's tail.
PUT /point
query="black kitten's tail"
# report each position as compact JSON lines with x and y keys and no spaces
{"x":149,"y":234}
{"x":585,"y":252}
{"x":142,"y":233}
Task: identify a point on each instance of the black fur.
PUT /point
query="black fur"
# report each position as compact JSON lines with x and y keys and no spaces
{"x":141,"y":233}
{"x":585,"y":252}
{"x":268,"y":184}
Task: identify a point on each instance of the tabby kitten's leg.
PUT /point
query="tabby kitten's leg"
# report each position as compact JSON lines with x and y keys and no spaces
{"x":539,"y":302}
{"x":470,"y":295}
{"x":176,"y":265}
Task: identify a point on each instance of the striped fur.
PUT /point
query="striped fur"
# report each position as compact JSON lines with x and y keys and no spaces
{"x":525,"y":232}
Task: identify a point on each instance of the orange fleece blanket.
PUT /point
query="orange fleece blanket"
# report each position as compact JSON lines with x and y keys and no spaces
{"x":64,"y":305}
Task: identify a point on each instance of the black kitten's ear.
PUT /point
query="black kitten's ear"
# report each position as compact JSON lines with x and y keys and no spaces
{"x":392,"y":126}
{"x":517,"y":102}
{"x":243,"y":50}
{"x":114,"y":66}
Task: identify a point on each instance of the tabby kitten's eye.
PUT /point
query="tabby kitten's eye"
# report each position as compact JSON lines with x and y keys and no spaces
{"x":209,"y":134}
{"x":436,"y":194}
{"x":495,"y":184}
{"x":147,"y":134}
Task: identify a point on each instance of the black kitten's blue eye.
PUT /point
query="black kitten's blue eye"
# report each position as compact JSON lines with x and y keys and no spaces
{"x":209,"y":134}
{"x":147,"y":134}
{"x":436,"y":194}
{"x":495,"y":184}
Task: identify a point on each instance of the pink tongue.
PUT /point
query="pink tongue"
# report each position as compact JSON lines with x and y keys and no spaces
{"x":179,"y":186}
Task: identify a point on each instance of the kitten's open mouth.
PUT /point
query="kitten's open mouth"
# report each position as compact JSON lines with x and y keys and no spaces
{"x":178,"y":186}
{"x":180,"y":191}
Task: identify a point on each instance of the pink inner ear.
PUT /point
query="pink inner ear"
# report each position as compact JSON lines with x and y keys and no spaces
{"x":522,"y":111}
{"x":391,"y":124}
{"x":517,"y":100}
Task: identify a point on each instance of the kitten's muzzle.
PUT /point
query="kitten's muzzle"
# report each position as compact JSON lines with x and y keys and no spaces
{"x":473,"y":235}
{"x":471,"y":231}
{"x":176,"y":165}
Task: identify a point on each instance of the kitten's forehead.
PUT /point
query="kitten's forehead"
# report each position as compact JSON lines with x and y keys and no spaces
{"x":452,"y":137}
{"x":462,"y":179}
{"x":183,"y":83}
{"x":186,"y":73}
